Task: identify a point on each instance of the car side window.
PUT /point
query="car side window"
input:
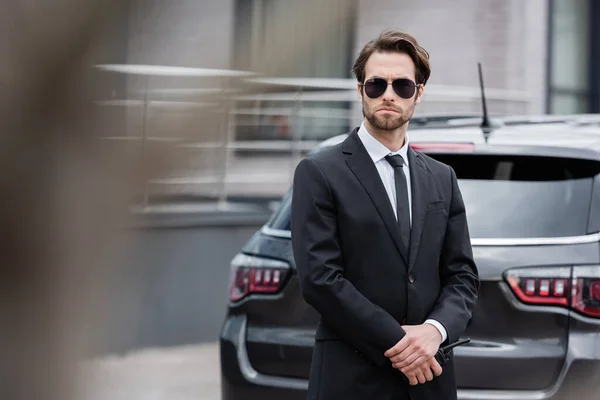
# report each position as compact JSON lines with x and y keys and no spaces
{"x":280,"y":219}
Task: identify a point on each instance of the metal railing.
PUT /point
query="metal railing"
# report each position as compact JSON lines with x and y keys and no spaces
{"x":261,"y":166}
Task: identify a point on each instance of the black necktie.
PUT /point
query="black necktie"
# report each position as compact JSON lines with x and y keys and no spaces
{"x":402,"y":209}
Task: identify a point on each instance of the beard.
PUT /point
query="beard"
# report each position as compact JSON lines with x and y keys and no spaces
{"x":388,"y":122}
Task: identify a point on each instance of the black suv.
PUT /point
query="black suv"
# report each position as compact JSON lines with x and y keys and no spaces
{"x":532,"y":194}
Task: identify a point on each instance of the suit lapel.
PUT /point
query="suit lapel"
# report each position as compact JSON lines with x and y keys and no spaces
{"x":365,"y":171}
{"x":419,"y":182}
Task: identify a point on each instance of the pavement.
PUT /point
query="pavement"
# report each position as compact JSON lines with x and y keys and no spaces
{"x":176,"y":373}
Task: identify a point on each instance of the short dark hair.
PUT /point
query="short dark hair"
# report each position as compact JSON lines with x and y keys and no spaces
{"x":394,"y":41}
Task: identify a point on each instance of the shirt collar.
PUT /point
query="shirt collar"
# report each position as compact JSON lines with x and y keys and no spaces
{"x":376,"y":149}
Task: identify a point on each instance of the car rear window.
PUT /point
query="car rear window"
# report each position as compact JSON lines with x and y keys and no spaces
{"x":512,"y":196}
{"x":524,"y":196}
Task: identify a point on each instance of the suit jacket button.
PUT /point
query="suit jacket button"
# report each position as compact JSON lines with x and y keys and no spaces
{"x":411,"y":278}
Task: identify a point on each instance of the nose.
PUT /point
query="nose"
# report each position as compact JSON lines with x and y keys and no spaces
{"x":389,"y":94}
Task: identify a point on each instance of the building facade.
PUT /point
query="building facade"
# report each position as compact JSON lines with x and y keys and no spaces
{"x":545,"y":50}
{"x":537,"y":56}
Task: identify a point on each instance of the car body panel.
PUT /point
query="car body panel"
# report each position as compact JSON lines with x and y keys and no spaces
{"x":517,"y":351}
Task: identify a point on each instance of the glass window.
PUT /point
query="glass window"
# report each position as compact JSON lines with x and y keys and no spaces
{"x":570,"y":44}
{"x":281,"y":218}
{"x":568,"y":103}
{"x":289,"y":39}
{"x":569,"y":56}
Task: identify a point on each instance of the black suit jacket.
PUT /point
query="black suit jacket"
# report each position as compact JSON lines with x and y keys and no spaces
{"x":346,"y":247}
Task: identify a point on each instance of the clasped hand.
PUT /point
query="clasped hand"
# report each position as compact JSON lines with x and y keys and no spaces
{"x":414,"y":354}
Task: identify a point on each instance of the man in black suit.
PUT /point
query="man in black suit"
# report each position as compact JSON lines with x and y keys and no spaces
{"x":381,"y":244}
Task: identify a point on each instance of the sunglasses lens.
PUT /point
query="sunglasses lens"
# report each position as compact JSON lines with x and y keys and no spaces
{"x":375,"y":87}
{"x":404,"y":88}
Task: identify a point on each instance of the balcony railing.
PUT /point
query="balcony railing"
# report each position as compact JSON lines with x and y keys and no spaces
{"x":244,"y":137}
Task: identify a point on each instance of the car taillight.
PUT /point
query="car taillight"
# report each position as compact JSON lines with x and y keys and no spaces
{"x":558,"y":286}
{"x":256,"y":275}
{"x":540,"y":285}
{"x":586,"y":290}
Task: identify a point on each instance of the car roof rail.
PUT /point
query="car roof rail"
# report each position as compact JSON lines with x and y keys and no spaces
{"x":442,"y":118}
{"x":586,"y":119}
{"x":441,"y":121}
{"x":569,"y":119}
{"x":465,"y":120}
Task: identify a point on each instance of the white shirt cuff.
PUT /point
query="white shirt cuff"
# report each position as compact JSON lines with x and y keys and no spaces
{"x":439,"y":327}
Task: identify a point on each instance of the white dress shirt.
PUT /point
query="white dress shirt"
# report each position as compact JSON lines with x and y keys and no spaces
{"x":377,"y":151}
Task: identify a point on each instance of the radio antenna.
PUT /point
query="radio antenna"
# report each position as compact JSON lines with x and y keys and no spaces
{"x":486,"y":125}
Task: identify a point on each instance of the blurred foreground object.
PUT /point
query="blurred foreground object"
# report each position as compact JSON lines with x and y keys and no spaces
{"x":65,"y":193}
{"x":62,"y":197}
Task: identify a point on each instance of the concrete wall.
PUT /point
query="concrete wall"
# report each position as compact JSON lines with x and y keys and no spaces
{"x":536,"y":53}
{"x":184,"y":32}
{"x":172,"y":288}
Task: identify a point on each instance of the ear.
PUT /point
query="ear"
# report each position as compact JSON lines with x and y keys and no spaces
{"x":420,"y":91}
{"x":360,"y":92}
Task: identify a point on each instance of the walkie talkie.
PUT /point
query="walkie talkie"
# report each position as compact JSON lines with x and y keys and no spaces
{"x":442,"y":355}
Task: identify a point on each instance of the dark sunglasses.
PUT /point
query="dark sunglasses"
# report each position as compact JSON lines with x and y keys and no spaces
{"x":403,"y":87}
